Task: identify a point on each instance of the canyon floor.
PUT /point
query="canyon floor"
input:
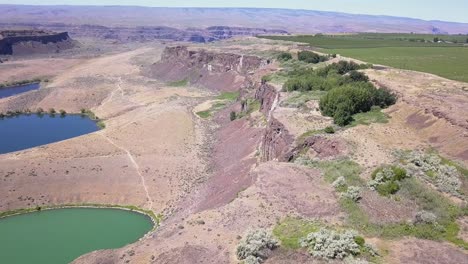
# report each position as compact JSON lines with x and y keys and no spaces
{"x":212,"y":179}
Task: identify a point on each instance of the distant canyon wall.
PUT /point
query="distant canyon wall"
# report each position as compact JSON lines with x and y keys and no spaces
{"x":148,"y":33}
{"x":294,"y":21}
{"x":29,"y":41}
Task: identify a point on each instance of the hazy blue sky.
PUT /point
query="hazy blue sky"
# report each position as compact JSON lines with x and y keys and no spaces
{"x":449,"y":10}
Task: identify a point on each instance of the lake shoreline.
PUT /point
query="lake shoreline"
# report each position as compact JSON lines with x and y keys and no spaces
{"x":10,"y":86}
{"x":155,"y":219}
{"x":14,"y":90}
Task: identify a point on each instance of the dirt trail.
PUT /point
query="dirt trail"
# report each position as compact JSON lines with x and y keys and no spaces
{"x":111,"y":95}
{"x":137,"y":168}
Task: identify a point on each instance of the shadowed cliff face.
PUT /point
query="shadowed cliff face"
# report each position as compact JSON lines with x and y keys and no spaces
{"x":30,"y":41}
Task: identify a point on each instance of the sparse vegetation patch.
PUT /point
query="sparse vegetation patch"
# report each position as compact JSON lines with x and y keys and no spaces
{"x":291,"y":230}
{"x":387,"y":180}
{"x":330,"y":244}
{"x":180,"y":83}
{"x":90,"y":114}
{"x":430,"y":167}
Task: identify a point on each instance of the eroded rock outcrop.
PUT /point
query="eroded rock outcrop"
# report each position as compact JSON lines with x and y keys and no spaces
{"x":266,"y":95}
{"x":216,"y":71}
{"x":322,"y":147}
{"x":276,"y":141}
{"x":23,"y":42}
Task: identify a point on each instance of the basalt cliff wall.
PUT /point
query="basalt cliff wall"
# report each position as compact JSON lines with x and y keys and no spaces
{"x":215,"y":71}
{"x":23,"y":42}
{"x":276,"y":140}
{"x":229,"y":72}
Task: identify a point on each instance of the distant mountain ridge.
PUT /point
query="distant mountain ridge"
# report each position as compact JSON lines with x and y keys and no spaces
{"x":293,"y":21}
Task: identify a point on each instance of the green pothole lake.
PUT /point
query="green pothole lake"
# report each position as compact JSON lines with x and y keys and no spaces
{"x":61,"y":235}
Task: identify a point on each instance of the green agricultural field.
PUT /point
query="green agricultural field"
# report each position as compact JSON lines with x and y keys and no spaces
{"x":448,"y":62}
{"x":406,"y":51}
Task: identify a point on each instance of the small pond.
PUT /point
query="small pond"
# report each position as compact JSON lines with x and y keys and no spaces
{"x":60,"y":236}
{"x":26,"y":131}
{"x":14,"y":90}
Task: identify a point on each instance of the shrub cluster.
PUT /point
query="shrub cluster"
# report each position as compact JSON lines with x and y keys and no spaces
{"x":353,"y":193}
{"x":310,"y":57}
{"x":256,"y":246}
{"x":330,"y":244}
{"x":329,"y":130}
{"x":430,"y":166}
{"x":355,"y":76}
{"x":342,"y":67}
{"x":326,"y":78}
{"x":344,"y":101}
{"x":340,"y":184}
{"x":386,"y":180}
{"x":349,"y":91}
{"x":285,"y":56}
{"x":425,"y":217}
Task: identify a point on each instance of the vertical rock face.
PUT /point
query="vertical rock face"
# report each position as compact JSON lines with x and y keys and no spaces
{"x":276,"y":141}
{"x":23,"y":42}
{"x":266,"y":95}
{"x":216,"y":71}
{"x":214,"y":62}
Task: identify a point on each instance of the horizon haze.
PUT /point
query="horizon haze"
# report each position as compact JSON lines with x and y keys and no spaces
{"x":451,"y":10}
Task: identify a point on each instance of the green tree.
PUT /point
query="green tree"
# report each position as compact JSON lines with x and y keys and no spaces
{"x":344,"y":101}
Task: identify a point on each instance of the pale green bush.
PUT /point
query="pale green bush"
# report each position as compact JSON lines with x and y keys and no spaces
{"x":381,"y":177}
{"x":353,"y":193}
{"x":448,"y":179}
{"x":425,"y":217}
{"x":255,"y":247}
{"x":339,"y":182}
{"x":430,"y":167}
{"x":252,"y":260}
{"x":330,"y":244}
